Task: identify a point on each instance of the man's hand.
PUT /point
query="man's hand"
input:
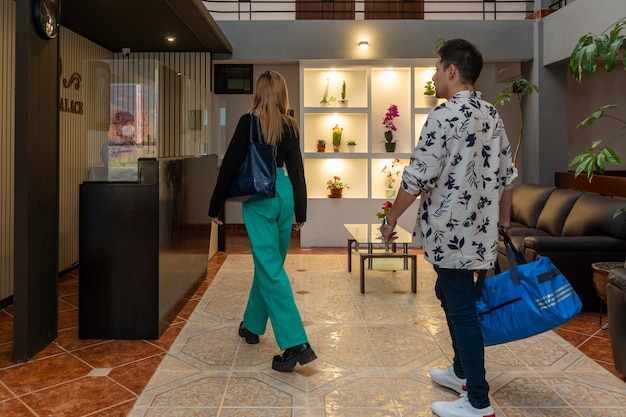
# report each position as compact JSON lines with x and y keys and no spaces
{"x":388,"y":232}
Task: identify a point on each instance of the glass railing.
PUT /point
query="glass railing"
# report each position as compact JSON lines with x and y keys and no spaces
{"x":373,"y":9}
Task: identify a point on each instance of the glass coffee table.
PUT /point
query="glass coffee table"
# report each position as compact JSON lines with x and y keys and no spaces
{"x":369,"y":236}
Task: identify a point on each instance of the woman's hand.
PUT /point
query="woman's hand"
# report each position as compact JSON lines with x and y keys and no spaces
{"x":298,"y":226}
{"x":216,"y":220}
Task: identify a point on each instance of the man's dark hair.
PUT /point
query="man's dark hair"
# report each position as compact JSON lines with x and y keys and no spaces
{"x":464,"y":56}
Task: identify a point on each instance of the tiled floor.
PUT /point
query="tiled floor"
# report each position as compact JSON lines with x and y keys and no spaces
{"x":105,"y":378}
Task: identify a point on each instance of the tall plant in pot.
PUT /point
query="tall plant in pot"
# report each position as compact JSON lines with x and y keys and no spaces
{"x":337,"y":132}
{"x":521,"y":87}
{"x":607,"y":47}
{"x":390,"y":127}
{"x":343,"y":101}
{"x":326,"y":98}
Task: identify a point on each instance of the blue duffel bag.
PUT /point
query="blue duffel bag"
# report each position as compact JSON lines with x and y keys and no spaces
{"x":528,"y":299}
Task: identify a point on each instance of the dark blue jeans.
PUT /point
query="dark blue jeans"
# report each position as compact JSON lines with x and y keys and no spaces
{"x":455,"y":289}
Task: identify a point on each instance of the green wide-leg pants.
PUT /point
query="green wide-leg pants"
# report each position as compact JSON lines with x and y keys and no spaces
{"x":268,"y":223}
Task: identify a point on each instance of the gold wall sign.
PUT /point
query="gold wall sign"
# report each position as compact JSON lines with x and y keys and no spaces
{"x":66,"y":104}
{"x":71,"y":106}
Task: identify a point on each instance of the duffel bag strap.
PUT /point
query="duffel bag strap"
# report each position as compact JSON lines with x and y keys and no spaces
{"x":514,"y":258}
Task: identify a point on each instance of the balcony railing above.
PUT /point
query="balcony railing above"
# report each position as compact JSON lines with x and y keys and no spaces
{"x":373,"y":9}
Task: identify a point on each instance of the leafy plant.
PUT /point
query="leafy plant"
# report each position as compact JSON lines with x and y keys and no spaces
{"x":519,"y":86}
{"x":343,"y":90}
{"x":595,"y":158}
{"x":326,"y":99}
{"x":392,"y":113}
{"x":335,"y":182}
{"x":391,"y":171}
{"x":321,"y":142}
{"x":351,"y":142}
{"x":584,"y":59}
{"x":589,"y":48}
{"x":385,"y":209}
{"x":337,"y":131}
{"x":429,"y":89}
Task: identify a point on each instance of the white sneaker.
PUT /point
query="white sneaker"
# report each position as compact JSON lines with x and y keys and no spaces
{"x":461,"y":408}
{"x":447,"y":378}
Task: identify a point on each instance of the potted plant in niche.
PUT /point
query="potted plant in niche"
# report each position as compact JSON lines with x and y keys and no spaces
{"x":390,"y":127}
{"x":326,"y":99}
{"x":321,"y":145}
{"x":337,"y":131}
{"x":342,"y":101}
{"x":391,"y":172}
{"x":351,"y":145}
{"x":521,"y":87}
{"x":430,"y":94}
{"x":584,"y":59}
{"x":336,"y":187}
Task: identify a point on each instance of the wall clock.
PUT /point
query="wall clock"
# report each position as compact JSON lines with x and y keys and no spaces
{"x":46,"y":15}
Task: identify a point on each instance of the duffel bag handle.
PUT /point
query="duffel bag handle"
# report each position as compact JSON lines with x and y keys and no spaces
{"x":513,"y":256}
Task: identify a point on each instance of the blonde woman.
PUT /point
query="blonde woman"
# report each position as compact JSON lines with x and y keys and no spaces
{"x":268,"y":222}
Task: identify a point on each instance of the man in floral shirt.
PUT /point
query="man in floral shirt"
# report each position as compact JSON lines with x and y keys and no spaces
{"x":463,"y":171}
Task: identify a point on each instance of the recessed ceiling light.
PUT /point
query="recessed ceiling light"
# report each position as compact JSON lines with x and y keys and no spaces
{"x":170,"y":38}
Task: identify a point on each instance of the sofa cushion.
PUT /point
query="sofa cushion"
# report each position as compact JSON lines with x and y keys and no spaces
{"x":517,"y":229}
{"x":528,"y":201}
{"x":554,"y":213}
{"x":592,"y":215}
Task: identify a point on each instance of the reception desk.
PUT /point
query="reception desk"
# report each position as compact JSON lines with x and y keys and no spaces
{"x":143,"y":247}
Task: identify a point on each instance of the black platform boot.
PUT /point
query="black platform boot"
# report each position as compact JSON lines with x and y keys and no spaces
{"x":297,"y":354}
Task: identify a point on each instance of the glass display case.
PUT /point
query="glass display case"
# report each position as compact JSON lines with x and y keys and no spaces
{"x":142,"y":108}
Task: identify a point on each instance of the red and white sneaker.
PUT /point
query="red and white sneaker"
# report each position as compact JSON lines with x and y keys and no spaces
{"x":447,"y":378}
{"x":461,"y":408}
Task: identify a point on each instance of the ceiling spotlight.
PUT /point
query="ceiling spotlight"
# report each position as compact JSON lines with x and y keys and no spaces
{"x":170,"y":38}
{"x":364,"y":43}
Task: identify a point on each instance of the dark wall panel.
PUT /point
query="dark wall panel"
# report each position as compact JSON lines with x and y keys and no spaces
{"x":36,"y":187}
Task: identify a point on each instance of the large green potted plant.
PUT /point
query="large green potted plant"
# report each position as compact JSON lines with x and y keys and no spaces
{"x":608,"y":48}
{"x":519,"y":86}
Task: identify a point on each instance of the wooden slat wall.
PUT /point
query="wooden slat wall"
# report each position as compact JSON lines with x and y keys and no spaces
{"x":7,"y":138}
{"x":73,"y":50}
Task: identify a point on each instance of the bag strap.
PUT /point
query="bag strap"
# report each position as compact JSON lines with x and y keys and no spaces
{"x":514,"y":258}
{"x":514,"y":251}
{"x":254,"y":118}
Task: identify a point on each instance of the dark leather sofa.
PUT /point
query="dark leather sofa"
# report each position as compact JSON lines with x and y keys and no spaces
{"x":616,"y":302}
{"x":573,"y":228}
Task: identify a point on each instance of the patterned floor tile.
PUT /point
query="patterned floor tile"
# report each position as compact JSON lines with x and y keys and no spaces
{"x":374,"y":352}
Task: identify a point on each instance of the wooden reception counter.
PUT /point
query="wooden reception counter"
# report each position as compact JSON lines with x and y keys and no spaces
{"x":143,"y":247}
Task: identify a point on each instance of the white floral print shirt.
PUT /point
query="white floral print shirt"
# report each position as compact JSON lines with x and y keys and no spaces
{"x":460,"y":167}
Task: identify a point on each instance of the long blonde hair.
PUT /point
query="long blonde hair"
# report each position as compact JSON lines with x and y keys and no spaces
{"x":270,"y":103}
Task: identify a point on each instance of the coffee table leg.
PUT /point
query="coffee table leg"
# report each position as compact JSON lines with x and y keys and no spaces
{"x":414,"y":274}
{"x":350,"y":254}
{"x":362,"y":275}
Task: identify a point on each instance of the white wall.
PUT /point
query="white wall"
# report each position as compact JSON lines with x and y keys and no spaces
{"x":564,"y":28}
